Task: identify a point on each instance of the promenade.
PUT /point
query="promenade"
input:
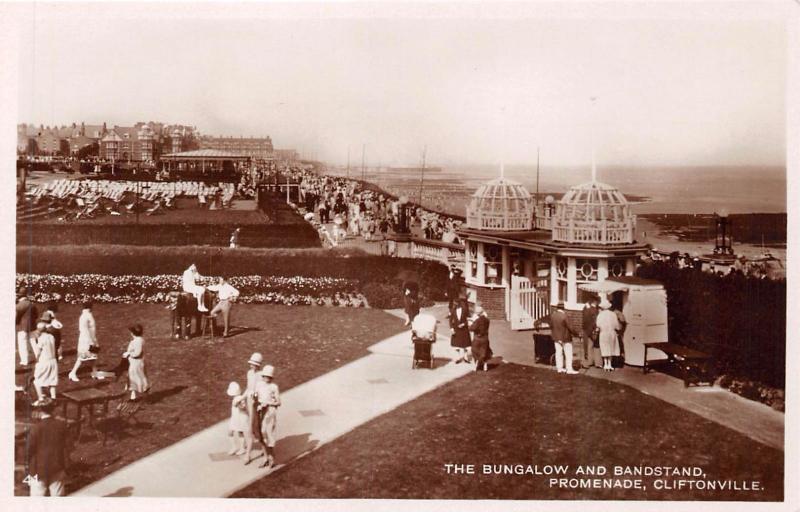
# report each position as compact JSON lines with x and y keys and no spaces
{"x":312,"y":414}
{"x":323,"y":409}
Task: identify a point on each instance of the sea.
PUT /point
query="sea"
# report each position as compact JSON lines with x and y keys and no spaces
{"x":651,"y":190}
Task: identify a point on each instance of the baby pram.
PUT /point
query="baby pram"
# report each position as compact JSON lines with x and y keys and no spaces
{"x":423,"y":335}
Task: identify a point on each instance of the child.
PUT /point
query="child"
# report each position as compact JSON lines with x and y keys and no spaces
{"x":45,"y":373}
{"x":268,"y":400}
{"x":54,"y":326}
{"x":239,"y":424}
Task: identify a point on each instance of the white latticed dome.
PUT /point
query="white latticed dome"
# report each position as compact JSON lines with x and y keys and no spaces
{"x":594,"y":213}
{"x":500,"y":205}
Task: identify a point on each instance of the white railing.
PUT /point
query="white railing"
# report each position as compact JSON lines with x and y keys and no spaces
{"x":545,"y":223}
{"x":435,"y":250}
{"x":598,"y":232}
{"x":507,"y":222}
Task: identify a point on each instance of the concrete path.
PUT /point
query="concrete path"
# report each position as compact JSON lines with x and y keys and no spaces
{"x":312,"y":414}
{"x":753,"y":419}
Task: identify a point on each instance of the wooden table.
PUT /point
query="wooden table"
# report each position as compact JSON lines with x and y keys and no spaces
{"x":87,"y":398}
{"x":695,"y":366}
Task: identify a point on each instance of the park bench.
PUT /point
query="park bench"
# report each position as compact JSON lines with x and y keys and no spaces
{"x":693,"y":365}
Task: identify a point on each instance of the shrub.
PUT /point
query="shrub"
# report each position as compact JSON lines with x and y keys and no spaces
{"x":343,"y":263}
{"x":741,"y":321}
{"x":252,"y":235}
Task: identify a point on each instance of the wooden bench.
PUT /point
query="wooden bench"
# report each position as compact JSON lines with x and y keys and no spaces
{"x":694,"y":366}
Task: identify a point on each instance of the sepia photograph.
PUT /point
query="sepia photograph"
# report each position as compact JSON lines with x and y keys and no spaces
{"x":519,"y":252}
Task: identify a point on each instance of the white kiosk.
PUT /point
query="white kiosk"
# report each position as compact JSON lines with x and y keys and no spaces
{"x":644,"y":304}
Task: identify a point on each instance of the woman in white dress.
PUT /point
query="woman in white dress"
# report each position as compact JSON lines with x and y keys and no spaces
{"x":137,"y":378}
{"x":87,"y":342}
{"x":45,"y":373}
{"x":608,"y":324}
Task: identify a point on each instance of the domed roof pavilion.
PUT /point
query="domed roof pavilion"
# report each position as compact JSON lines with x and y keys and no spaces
{"x":595,"y":213}
{"x":519,"y":261}
{"x":500,"y":205}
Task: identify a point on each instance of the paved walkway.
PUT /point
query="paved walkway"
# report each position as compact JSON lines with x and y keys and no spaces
{"x":374,"y":385}
{"x":312,"y":414}
{"x":753,"y":419}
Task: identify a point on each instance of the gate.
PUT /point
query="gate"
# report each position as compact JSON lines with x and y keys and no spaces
{"x":530,"y":301}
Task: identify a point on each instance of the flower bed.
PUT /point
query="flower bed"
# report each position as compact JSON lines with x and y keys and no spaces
{"x":753,"y":390}
{"x":322,"y":291}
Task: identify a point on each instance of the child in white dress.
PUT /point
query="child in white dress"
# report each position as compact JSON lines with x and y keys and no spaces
{"x":239,"y":424}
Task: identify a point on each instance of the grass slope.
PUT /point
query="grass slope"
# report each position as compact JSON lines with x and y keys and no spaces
{"x":522,"y":415}
{"x":189,"y":378}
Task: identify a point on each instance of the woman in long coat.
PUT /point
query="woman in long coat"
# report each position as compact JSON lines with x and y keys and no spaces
{"x":481,"y":351}
{"x":137,"y":378}
{"x":459,"y":329}
{"x":608,"y":325}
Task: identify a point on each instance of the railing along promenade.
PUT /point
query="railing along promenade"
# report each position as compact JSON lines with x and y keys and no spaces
{"x":436,"y":250}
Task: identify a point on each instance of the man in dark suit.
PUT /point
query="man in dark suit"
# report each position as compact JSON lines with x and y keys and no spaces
{"x":589,"y":328}
{"x":455,"y":284}
{"x":47,"y":454}
{"x":562,"y":333}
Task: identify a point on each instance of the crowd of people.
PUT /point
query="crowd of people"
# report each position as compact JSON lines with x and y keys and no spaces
{"x":761,"y":268}
{"x":352,"y":210}
{"x":41,"y":337}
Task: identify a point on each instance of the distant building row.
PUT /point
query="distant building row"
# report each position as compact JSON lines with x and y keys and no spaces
{"x":141,"y":142}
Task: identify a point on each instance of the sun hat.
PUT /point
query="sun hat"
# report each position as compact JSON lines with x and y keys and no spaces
{"x":256,"y":359}
{"x":478,"y":310}
{"x":268,"y":371}
{"x":560,"y":304}
{"x":605,"y":304}
{"x":234,"y":389}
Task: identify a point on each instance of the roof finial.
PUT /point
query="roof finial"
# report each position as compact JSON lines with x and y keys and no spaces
{"x":594,"y":165}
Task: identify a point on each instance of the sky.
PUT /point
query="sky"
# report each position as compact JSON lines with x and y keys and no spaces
{"x":678,"y":84}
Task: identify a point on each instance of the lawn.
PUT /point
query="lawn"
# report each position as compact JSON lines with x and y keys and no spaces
{"x":189,"y":378}
{"x":280,"y":226}
{"x":529,"y":416}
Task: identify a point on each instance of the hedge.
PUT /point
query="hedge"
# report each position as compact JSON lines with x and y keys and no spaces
{"x":741,"y":321}
{"x":258,"y":235}
{"x":142,"y":260}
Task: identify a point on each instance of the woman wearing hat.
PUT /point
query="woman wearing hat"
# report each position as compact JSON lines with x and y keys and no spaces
{"x":137,"y":378}
{"x":481,"y":351}
{"x":45,"y":373}
{"x":253,"y":377}
{"x":459,"y":330}
{"x":268,"y":399}
{"x":608,"y":324}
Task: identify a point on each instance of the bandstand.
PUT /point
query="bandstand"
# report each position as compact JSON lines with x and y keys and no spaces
{"x":520,"y":260}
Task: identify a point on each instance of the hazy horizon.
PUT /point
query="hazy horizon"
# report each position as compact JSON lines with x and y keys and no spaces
{"x":676,"y":84}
